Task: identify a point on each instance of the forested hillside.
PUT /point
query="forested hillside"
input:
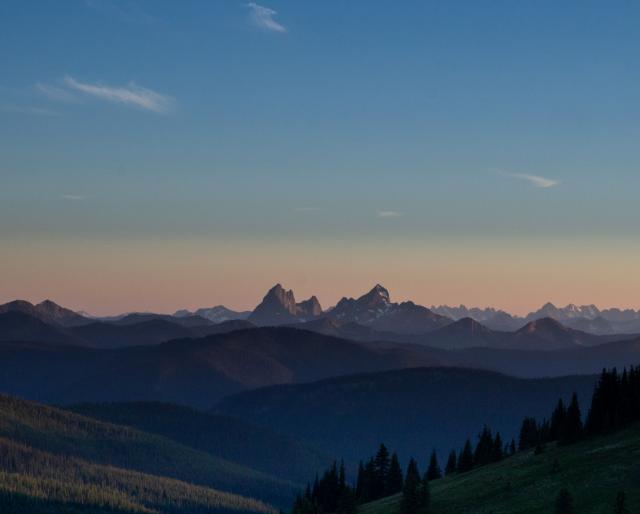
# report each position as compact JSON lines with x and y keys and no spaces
{"x":229,"y":438}
{"x":44,"y":430}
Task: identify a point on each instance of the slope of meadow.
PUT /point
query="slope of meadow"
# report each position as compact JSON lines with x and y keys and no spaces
{"x":593,"y":471}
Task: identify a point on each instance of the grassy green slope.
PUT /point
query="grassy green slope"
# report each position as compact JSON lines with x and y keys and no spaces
{"x":67,"y":434}
{"x":593,"y":471}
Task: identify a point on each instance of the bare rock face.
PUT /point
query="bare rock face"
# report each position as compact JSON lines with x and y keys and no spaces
{"x":279,"y":307}
{"x":376,"y":310}
{"x":310,"y":308}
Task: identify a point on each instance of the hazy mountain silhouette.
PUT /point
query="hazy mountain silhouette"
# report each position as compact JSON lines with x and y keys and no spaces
{"x":191,"y":371}
{"x":407,"y":409}
{"x":217,"y":314}
{"x":46,"y":311}
{"x":20,"y":326}
{"x":199,"y":372}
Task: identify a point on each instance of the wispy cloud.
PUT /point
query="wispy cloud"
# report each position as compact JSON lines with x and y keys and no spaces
{"x":263,"y":17}
{"x":131,"y":94}
{"x":127,"y":12}
{"x":29,"y":110}
{"x":56,"y":93}
{"x":390,"y":214}
{"x":534,"y":180}
{"x":73,"y":198}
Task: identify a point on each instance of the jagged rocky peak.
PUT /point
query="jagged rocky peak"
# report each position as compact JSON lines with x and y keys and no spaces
{"x":310,"y":307}
{"x":279,"y":307}
{"x":377,"y":296}
{"x":280,"y":296}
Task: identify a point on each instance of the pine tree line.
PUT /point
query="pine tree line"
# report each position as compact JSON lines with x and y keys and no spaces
{"x":615,"y":403}
{"x":329,"y":494}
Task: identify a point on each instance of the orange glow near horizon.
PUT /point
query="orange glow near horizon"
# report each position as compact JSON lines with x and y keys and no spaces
{"x":111,"y":277}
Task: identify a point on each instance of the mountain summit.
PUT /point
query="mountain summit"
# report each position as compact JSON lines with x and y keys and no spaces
{"x":375,"y":309}
{"x":46,"y":311}
{"x":279,"y":307}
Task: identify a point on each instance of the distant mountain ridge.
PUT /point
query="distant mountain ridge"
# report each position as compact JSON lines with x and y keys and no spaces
{"x":134,"y":330}
{"x":407,"y":409}
{"x":217,"y":314}
{"x":588,"y":318}
{"x":373,"y":311}
{"x":199,"y":372}
{"x":47,"y":311}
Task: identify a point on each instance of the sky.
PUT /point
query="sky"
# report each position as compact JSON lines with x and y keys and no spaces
{"x":157,"y":155}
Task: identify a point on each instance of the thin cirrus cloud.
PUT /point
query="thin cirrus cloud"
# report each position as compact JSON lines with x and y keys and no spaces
{"x":132,"y":94}
{"x":56,"y":93}
{"x":263,"y":17}
{"x":390,"y":214}
{"x":534,"y":180}
{"x":73,"y":198}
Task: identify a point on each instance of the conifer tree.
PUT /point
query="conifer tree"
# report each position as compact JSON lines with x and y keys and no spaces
{"x":564,"y":502}
{"x":557,"y":420}
{"x":572,"y":428}
{"x":528,"y":434}
{"x":347,"y":503}
{"x":497,"y":453}
{"x":382,"y":462}
{"x":394,"y":478}
{"x":452,"y":463}
{"x":433,"y":472}
{"x":465,"y":460}
{"x":484,"y":448}
{"x":412,"y":490}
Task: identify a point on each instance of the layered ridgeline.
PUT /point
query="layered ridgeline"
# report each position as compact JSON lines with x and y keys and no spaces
{"x":371,"y":317}
{"x":134,"y":330}
{"x":55,"y":455}
{"x":407,"y":409}
{"x":588,"y":318}
{"x":201,"y":371}
{"x":492,"y":476}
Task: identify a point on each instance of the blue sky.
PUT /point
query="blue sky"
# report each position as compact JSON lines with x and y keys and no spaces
{"x":328,"y":123}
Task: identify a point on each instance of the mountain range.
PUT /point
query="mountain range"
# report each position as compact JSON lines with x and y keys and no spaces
{"x":201,"y":371}
{"x":373,"y":310}
{"x":585,"y":317}
{"x":130,"y":331}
